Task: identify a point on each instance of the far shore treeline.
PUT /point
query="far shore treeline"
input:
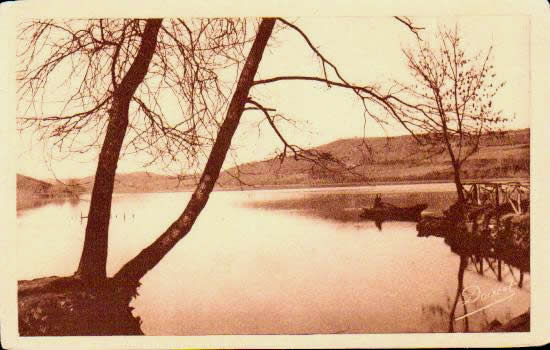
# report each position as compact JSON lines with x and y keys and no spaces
{"x":382,"y":159}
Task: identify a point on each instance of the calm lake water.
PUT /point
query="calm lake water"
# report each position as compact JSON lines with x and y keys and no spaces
{"x":277,"y":262}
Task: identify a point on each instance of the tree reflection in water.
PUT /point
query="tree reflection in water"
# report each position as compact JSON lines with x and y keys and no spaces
{"x":459,"y":289}
{"x":469,"y":320}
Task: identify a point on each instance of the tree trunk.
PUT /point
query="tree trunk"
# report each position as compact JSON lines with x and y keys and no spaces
{"x":458,"y":184}
{"x":135,"y":269}
{"x":93,"y":261}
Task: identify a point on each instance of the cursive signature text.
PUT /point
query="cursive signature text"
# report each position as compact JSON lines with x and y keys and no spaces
{"x":471,"y":294}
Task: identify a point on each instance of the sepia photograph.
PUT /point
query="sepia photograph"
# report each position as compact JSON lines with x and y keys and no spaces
{"x":272,"y":175}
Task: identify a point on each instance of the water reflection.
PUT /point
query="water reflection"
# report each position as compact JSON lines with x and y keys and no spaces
{"x":459,"y":294}
{"x":33,"y":202}
{"x":474,"y":300}
{"x":279,"y":262}
{"x":346,"y":206}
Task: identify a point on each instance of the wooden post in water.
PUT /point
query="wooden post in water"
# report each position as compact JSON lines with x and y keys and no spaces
{"x":82,"y":217}
{"x":499,"y":270}
{"x":521,"y":278}
{"x":481,"y":265}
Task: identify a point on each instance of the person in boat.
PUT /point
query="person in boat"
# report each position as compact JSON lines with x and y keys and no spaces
{"x":379,"y":204}
{"x":378,"y":201}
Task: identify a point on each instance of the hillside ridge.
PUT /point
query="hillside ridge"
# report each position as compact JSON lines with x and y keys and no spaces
{"x":377,"y":160}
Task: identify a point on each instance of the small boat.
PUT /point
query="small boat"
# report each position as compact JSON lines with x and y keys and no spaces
{"x":388,"y":212}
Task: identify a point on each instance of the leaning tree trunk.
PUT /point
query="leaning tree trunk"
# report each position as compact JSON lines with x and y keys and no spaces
{"x":93,"y":261}
{"x":135,"y":269}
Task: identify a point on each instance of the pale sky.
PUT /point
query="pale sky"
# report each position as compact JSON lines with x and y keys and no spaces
{"x":367,"y":50}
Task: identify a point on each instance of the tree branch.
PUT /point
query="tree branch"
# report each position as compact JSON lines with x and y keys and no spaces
{"x":408,"y":22}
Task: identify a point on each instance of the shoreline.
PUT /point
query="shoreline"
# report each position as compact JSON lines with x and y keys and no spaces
{"x":219,"y":188}
{"x":29,"y":202}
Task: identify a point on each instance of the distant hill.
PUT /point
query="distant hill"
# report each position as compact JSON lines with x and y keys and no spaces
{"x":28,"y":184}
{"x":393,"y":159}
{"x":380,"y":160}
{"x":32,"y":192}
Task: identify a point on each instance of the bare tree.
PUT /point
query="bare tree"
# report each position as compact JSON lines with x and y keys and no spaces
{"x":109,"y":61}
{"x":88,"y":59}
{"x":135,"y":269}
{"x":454,"y":110}
{"x":94,"y":254}
{"x":122,"y":60}
{"x":119,"y":69}
{"x":454,"y":91}
{"x":149,"y":257}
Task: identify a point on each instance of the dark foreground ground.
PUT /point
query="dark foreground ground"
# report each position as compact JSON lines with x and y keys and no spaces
{"x":61,"y":306}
